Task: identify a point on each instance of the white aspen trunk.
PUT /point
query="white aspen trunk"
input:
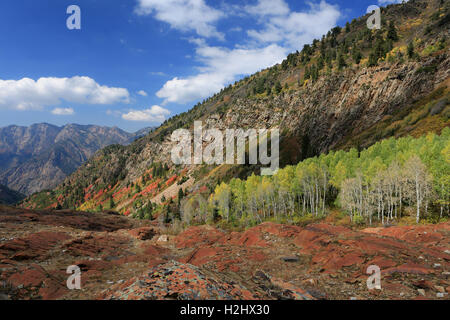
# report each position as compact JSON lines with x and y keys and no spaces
{"x":417,"y":200}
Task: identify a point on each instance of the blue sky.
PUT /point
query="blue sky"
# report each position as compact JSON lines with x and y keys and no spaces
{"x":135,"y":63}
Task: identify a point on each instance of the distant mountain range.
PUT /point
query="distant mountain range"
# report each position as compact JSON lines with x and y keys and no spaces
{"x":40,"y":156}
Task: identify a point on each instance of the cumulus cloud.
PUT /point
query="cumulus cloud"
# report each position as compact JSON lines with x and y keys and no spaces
{"x":220,"y":66}
{"x":63,"y":111}
{"x":142,"y":93}
{"x":184,"y":15}
{"x":155,"y":114}
{"x":290,"y":28}
{"x":30,"y":94}
{"x":281,"y":31}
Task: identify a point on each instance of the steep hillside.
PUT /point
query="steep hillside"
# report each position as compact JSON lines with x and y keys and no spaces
{"x":8,"y":196}
{"x":351,"y":88}
{"x":42,"y":155}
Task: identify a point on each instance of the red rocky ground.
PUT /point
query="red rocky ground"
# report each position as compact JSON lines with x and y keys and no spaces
{"x":122,"y":259}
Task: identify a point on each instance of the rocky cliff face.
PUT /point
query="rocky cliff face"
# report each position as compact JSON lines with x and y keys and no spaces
{"x":331,"y":113}
{"x":40,"y":156}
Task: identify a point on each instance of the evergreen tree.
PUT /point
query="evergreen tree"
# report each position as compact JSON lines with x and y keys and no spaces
{"x":148,"y":211}
{"x":380,"y":48}
{"x":141,"y":213}
{"x":314,"y":73}
{"x":166,"y":215}
{"x":180,"y":195}
{"x":392,"y":32}
{"x":307,"y":74}
{"x":278,"y":87}
{"x":341,"y":61}
{"x":137,"y":188}
{"x":357,"y":56}
{"x":410,"y":50}
{"x":320,"y":63}
{"x":373,"y":59}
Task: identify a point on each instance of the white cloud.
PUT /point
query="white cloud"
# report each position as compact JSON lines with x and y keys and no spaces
{"x":159,"y":73}
{"x":114,"y":113}
{"x":292,"y":29}
{"x":142,"y":93}
{"x":235,"y":29}
{"x":197,"y":41}
{"x":268,"y":8}
{"x":386,"y":2}
{"x":220,"y":66}
{"x":155,"y":114}
{"x":281,"y":31}
{"x":191,"y":88}
{"x":63,"y":111}
{"x":30,"y":94}
{"x":184,"y":15}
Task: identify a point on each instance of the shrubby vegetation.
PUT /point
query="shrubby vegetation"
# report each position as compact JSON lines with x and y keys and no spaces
{"x":375,"y":185}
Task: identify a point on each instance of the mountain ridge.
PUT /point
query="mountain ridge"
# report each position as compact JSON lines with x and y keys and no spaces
{"x":40,"y":156}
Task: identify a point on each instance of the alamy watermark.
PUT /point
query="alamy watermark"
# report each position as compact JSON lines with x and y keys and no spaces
{"x":74,"y":281}
{"x":374,"y":21}
{"x":374,"y":281}
{"x":74,"y":20}
{"x":228,"y":147}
